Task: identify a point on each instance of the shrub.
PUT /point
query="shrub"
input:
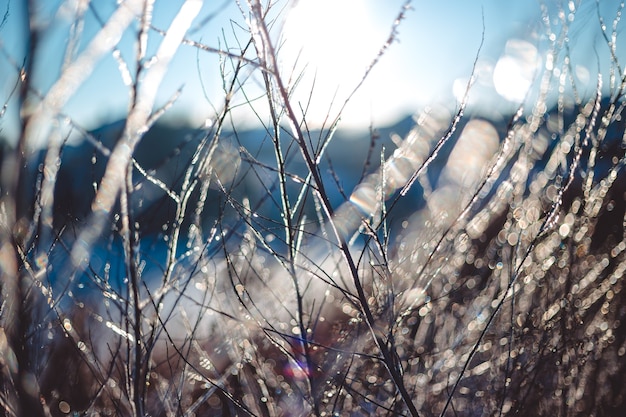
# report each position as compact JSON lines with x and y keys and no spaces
{"x":475,"y":270}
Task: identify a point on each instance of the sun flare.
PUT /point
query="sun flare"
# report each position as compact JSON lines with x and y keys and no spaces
{"x":333,"y":42}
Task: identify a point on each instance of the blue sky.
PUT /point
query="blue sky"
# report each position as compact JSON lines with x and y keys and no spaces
{"x":430,"y":60}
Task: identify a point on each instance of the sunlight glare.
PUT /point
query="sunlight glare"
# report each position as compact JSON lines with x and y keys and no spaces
{"x":333,"y":41}
{"x":333,"y":36}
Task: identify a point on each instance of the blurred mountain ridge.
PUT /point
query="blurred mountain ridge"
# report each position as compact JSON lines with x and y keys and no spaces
{"x":165,"y":152}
